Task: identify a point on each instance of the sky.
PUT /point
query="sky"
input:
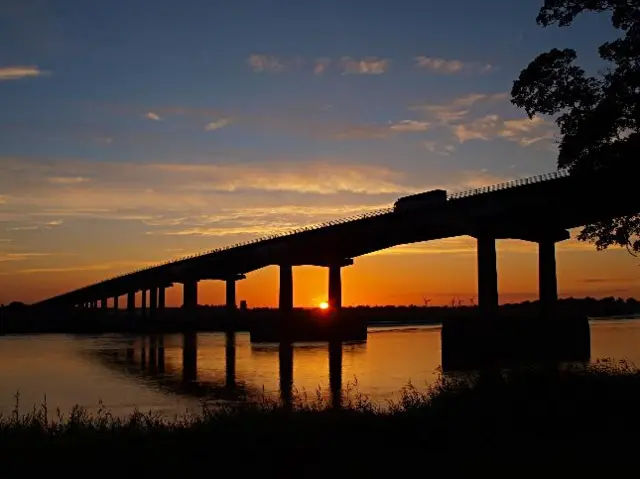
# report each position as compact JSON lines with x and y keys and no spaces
{"x":132,"y":132}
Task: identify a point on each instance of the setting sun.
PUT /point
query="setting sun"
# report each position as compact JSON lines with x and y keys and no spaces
{"x":324,"y":305}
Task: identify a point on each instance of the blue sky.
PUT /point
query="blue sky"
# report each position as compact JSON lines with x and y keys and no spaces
{"x":169,"y":127}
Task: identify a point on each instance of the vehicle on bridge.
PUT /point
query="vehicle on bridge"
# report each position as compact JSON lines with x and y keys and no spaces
{"x":420,"y":200}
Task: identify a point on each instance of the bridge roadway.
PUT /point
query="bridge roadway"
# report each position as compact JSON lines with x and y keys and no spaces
{"x":538,"y":209}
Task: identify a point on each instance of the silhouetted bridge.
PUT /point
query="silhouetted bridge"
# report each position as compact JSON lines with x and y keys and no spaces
{"x":538,"y":209}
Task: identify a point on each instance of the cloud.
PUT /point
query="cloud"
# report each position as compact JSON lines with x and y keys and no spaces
{"x":410,"y":125}
{"x":200,"y":200}
{"x":365,"y":66}
{"x":523,"y":131}
{"x":128,"y":265}
{"x":319,"y":177}
{"x":458,"y":117}
{"x":439,"y":149}
{"x":216,"y":125}
{"x":363,"y":132}
{"x":320,"y":65}
{"x":19,"y":72}
{"x":4,"y":257}
{"x":256,"y":230}
{"x":152,"y":116}
{"x":67,"y":180}
{"x":36,"y":226}
{"x":440,"y":65}
{"x":3,"y":200}
{"x":459,"y":108}
{"x":265,"y":63}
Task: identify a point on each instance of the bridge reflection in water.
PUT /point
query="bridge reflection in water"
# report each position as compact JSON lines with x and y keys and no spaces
{"x":145,"y":358}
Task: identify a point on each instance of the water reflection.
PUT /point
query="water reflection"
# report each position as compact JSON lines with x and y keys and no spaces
{"x":145,"y":358}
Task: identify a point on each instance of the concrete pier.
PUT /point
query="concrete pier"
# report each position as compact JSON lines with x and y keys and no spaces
{"x":285,"y":300}
{"x":487,"y":276}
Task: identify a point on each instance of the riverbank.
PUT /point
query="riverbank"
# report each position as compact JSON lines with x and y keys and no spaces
{"x":572,"y":417}
{"x":27,"y":320}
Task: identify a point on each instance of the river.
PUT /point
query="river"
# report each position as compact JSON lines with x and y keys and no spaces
{"x":173,"y":374}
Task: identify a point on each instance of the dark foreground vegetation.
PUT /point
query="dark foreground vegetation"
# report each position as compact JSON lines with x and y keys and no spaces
{"x":21,"y":319}
{"x":573,"y":419}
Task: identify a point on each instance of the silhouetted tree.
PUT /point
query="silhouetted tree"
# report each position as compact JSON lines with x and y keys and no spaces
{"x":598,"y":116}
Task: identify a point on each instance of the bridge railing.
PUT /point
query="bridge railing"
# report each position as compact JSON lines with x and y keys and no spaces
{"x":370,"y":214}
{"x":509,"y":184}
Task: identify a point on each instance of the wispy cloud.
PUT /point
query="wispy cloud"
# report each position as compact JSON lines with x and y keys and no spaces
{"x":199,"y":197}
{"x":68,"y":180}
{"x":462,"y":120}
{"x":439,"y":149}
{"x":36,"y":226}
{"x":18,"y":72}
{"x":320,"y":65}
{"x":257,"y":230}
{"x":152,"y":116}
{"x":319,"y":177}
{"x":4,"y":257}
{"x":216,"y":125}
{"x":440,"y":65}
{"x":523,"y":131}
{"x":265,"y":63}
{"x":459,"y":108}
{"x":90,"y":267}
{"x":364,"y":66}
{"x":410,"y":125}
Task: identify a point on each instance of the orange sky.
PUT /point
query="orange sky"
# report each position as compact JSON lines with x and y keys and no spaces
{"x":439,"y":271}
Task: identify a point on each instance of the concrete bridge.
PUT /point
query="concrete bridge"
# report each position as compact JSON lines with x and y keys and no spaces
{"x":539,"y":209}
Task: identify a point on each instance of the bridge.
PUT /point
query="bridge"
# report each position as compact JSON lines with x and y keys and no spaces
{"x":538,"y":209}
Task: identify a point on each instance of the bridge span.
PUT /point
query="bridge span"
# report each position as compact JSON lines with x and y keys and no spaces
{"x":539,"y":209}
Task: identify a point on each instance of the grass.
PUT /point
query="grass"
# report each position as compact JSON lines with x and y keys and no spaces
{"x":574,"y":417}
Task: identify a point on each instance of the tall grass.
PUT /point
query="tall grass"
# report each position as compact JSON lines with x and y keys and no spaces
{"x":554,"y":412}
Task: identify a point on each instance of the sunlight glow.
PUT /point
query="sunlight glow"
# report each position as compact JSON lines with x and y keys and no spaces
{"x":324,"y":305}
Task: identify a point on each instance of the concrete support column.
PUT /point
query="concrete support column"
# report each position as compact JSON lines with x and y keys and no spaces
{"x":190,"y":294}
{"x":335,"y":287}
{"x":115,"y":302}
{"x":231,"y":294}
{"x":285,"y":302}
{"x":487,"y":276}
{"x":161,"y":297}
{"x":153,"y":300}
{"x":547,"y":279}
{"x":103,"y":303}
{"x":131,"y":302}
{"x":144,"y":302}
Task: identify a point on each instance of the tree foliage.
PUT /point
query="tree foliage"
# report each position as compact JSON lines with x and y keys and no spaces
{"x":598,"y":116}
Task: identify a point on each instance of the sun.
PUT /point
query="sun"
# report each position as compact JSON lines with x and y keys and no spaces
{"x":324,"y":305}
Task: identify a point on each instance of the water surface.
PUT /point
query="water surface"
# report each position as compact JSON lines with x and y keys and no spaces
{"x":176,"y":373}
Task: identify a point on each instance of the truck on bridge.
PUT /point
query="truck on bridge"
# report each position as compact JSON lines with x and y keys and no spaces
{"x":420,"y":200}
